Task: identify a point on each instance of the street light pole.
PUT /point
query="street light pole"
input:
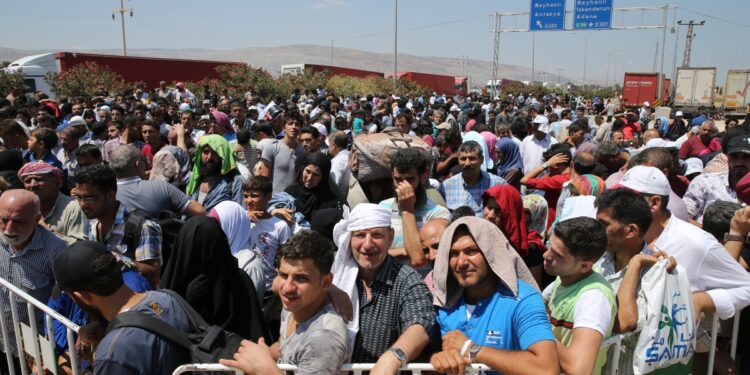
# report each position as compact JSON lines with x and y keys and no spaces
{"x":395,"y":40}
{"x":533,"y":56}
{"x":585,"y":59}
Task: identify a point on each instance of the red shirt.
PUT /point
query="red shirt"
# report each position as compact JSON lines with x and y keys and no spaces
{"x":148,"y":152}
{"x":693,"y":147}
{"x":552,"y":187}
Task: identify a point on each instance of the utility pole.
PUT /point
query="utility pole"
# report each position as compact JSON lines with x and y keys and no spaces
{"x":544,"y":77}
{"x":331,"y":52}
{"x":122,"y":11}
{"x":559,"y":76}
{"x":689,"y":39}
{"x":656,"y":54}
{"x":495,"y":55}
{"x":660,"y":77}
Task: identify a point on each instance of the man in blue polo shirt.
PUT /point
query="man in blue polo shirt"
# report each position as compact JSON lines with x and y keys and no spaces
{"x":490,"y":310}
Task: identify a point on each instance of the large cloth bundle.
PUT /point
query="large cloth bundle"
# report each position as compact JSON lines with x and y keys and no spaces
{"x":371,"y":154}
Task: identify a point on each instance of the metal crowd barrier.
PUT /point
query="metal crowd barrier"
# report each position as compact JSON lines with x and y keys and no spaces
{"x":354,"y":368}
{"x":28,"y":339}
{"x":40,"y":345}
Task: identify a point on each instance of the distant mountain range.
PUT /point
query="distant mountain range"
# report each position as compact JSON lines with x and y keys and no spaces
{"x":271,"y":59}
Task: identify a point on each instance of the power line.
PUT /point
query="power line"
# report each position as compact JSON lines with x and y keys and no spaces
{"x":716,"y":18}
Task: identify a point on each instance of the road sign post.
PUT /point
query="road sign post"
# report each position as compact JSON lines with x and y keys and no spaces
{"x":547,"y":15}
{"x":592,"y":15}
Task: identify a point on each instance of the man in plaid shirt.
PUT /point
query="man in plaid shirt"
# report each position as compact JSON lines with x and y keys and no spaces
{"x":96,"y":190}
{"x":466,"y":188}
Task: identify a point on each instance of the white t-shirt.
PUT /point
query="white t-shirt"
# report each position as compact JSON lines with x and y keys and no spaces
{"x":266,"y":236}
{"x":592,"y":310}
{"x":710,"y":267}
{"x":532,"y":150}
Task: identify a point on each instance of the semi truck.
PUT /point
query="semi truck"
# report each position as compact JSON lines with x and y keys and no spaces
{"x":694,"y":88}
{"x":150,"y":70}
{"x":334,"y":70}
{"x":502,"y":85}
{"x":736,"y":93}
{"x":461,"y":86}
{"x":438,"y":83}
{"x":642,"y":87}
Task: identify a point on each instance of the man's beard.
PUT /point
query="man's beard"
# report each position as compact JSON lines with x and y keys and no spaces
{"x":421,"y":195}
{"x":209,"y":170}
{"x":92,"y":312}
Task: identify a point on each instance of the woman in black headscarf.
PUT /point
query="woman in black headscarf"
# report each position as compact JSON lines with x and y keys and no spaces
{"x":10,"y":162}
{"x":204,"y":272}
{"x":312,"y":190}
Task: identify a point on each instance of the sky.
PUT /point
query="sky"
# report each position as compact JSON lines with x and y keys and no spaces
{"x":426,"y":28}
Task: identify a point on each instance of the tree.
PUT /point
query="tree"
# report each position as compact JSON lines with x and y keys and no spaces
{"x":85,"y":80}
{"x":10,"y":81}
{"x":238,"y":80}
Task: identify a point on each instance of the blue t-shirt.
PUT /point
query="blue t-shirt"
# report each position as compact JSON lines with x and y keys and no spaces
{"x":501,"y":321}
{"x":130,"y":350}
{"x":65,"y":305}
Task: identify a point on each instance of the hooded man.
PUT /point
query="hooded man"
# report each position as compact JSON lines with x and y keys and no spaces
{"x":215,"y":177}
{"x":490,"y":310}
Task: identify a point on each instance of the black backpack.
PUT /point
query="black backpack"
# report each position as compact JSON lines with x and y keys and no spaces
{"x":206,"y":343}
{"x":170,"y":227}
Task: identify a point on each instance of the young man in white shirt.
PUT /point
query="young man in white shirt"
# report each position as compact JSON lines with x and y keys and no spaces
{"x":719,"y":283}
{"x":580,"y":302}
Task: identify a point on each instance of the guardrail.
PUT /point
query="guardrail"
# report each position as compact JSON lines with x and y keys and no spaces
{"x":28,"y":340}
{"x":354,"y":368}
{"x":24,"y":334}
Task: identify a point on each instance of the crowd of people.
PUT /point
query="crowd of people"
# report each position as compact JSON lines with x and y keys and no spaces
{"x":512,"y":231}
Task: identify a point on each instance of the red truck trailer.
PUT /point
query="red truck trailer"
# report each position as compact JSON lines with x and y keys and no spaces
{"x":642,"y":87}
{"x":335,"y":70}
{"x":132,"y":69}
{"x":150,"y":70}
{"x":461,"y":86}
{"x":438,"y":83}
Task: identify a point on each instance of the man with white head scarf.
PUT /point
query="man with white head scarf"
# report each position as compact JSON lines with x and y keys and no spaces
{"x":490,"y":310}
{"x":393,"y":311}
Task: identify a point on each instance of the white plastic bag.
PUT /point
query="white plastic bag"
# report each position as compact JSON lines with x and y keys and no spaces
{"x":668,"y":334}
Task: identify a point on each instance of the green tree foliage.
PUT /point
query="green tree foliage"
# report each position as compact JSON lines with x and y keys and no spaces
{"x":10,"y":81}
{"x":85,"y":80}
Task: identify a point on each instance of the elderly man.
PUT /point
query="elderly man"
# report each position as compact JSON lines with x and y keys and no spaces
{"x":215,"y":176}
{"x":490,"y":310}
{"x":701,"y":145}
{"x":392,"y":306}
{"x":60,"y":213}
{"x":27,"y":251}
{"x":720,"y":186}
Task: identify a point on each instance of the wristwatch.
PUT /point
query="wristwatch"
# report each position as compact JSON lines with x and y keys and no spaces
{"x":733,"y":237}
{"x":473,"y":350}
{"x":400,"y":355}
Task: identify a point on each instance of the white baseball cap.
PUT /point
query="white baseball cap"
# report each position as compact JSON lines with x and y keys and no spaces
{"x":76,"y":121}
{"x":694,"y":165}
{"x":678,"y":113}
{"x":321,"y":129}
{"x":645,"y":180}
{"x":542,"y":120}
{"x":646,"y":104}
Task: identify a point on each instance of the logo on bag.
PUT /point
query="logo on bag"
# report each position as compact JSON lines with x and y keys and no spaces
{"x":677,"y":344}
